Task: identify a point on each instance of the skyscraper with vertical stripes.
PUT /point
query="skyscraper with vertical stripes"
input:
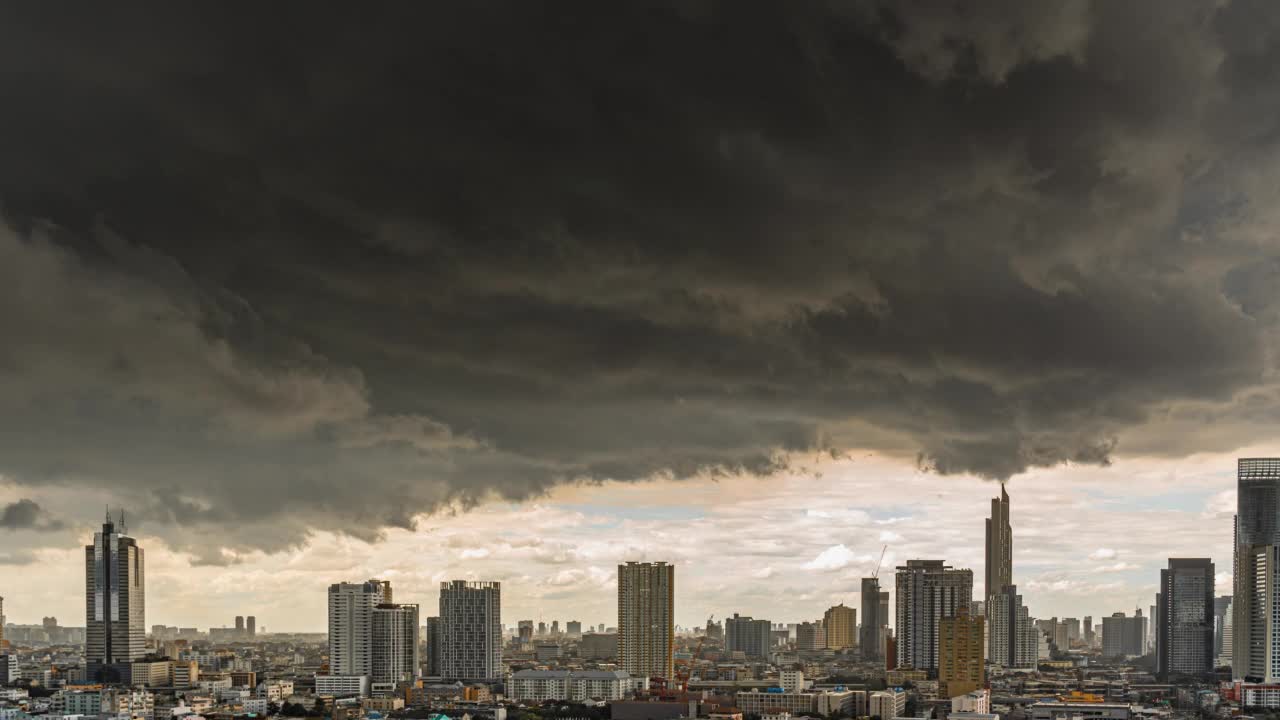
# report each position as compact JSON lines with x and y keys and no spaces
{"x":115,"y":602}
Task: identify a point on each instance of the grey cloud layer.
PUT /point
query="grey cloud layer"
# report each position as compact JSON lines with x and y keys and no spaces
{"x":296,"y":269}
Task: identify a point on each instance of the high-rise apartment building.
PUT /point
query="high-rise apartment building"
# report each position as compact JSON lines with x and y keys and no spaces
{"x":872,"y":621}
{"x":1184,"y":619}
{"x":251,"y":626}
{"x":646,"y":618}
{"x":573,"y":628}
{"x":239,"y":625}
{"x":1255,"y":600}
{"x":927,"y":591}
{"x":433,"y":646}
{"x":1087,"y":631}
{"x":351,"y":626}
{"x":961,"y":659}
{"x":1124,"y":636}
{"x":754,"y":638}
{"x":1012,"y":638}
{"x":115,"y":602}
{"x":395,"y":644}
{"x":811,"y":636}
{"x":841,"y":624}
{"x":1225,"y":656}
{"x":470,"y":630}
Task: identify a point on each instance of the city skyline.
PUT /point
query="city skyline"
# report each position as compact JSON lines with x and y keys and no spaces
{"x":574,"y":585}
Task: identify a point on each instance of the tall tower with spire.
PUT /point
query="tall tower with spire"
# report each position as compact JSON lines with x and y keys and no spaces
{"x":115,"y":600}
{"x":999,"y":569}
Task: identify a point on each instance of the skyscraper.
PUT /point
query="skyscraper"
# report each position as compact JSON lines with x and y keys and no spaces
{"x":239,"y":625}
{"x":869,"y":633}
{"x":841,"y":623}
{"x":1255,"y":600}
{"x":646,"y":618}
{"x":115,"y":602}
{"x":1124,"y":636}
{"x":998,"y":574}
{"x":351,"y":626}
{"x":1,"y":624}
{"x":753,"y":638}
{"x":470,"y":630}
{"x":999,"y":569}
{"x":1184,"y":619}
{"x":251,"y":626}
{"x":927,"y":591}
{"x":394,"y":656}
{"x":1012,"y":638}
{"x":961,"y":667}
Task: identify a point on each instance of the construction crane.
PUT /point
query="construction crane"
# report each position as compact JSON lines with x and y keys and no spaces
{"x":879,"y":562}
{"x":682,"y":672}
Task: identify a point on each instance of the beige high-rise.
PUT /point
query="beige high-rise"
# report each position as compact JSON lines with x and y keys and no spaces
{"x":646,"y":618}
{"x":841,"y":623}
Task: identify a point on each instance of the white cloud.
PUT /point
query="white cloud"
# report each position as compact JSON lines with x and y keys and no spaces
{"x":835,"y":557}
{"x":1103,"y":554}
{"x":763,"y":573}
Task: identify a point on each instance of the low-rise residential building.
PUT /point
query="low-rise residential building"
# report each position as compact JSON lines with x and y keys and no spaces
{"x":886,"y":704}
{"x":578,"y":685}
{"x":342,"y":686}
{"x":1078,"y":711}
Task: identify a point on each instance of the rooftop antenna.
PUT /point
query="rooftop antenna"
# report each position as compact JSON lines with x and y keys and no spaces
{"x":123,"y":528}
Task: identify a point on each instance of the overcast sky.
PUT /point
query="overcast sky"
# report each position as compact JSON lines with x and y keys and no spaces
{"x":518,"y":290}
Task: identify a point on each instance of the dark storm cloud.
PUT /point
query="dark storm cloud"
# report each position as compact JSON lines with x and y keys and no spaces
{"x":27,"y":515}
{"x":301,"y":267}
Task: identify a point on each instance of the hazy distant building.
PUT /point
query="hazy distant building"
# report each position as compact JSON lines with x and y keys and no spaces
{"x":754,"y":638}
{"x":598,"y":646}
{"x":1225,"y":657}
{"x":1087,"y":630}
{"x":869,"y":634}
{"x":115,"y":602}
{"x":646,"y":618}
{"x":1255,"y":600}
{"x":573,"y":628}
{"x":251,"y":626}
{"x":840,"y":623}
{"x":1185,"y":619}
{"x":927,"y":591}
{"x":524,"y":631}
{"x":961,"y":666}
{"x":470,"y":630}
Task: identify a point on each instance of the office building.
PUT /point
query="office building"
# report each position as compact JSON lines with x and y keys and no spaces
{"x":395,"y":643}
{"x":1185,"y":619}
{"x":573,"y":629}
{"x":927,"y":591}
{"x":1221,"y":609}
{"x":524,"y":631}
{"x":1255,"y":600}
{"x":1087,"y":631}
{"x":115,"y":603}
{"x":961,"y":656}
{"x":351,"y":626}
{"x":646,"y":618}
{"x":251,"y":626}
{"x":869,"y":635}
{"x":1124,"y":636}
{"x":470,"y":630}
{"x":841,"y":625}
{"x":754,"y":638}
{"x":1,"y":625}
{"x":239,"y":625}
